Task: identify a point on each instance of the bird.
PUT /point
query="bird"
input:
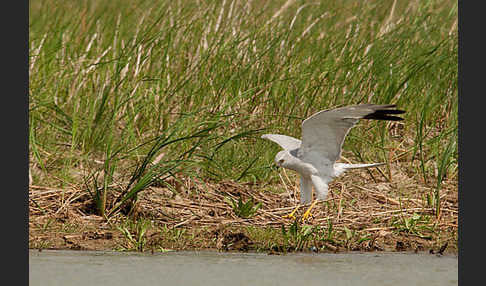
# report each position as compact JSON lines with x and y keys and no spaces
{"x":314,"y":157}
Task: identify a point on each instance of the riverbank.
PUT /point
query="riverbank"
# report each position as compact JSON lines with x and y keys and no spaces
{"x":363,"y":212}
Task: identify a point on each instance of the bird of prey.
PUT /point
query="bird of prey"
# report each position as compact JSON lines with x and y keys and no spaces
{"x":323,"y":133}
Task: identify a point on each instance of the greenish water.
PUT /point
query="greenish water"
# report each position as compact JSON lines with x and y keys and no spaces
{"x":213,"y":268}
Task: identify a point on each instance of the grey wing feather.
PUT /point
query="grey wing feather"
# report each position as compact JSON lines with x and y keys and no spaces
{"x":323,"y":133}
{"x":286,"y":142}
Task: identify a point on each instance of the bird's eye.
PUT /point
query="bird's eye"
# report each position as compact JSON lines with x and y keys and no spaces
{"x":281,"y":161}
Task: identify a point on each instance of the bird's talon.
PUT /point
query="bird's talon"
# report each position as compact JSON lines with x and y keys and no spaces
{"x":292,"y":214}
{"x":289,"y":216}
{"x":308,"y":213}
{"x":306,"y":217}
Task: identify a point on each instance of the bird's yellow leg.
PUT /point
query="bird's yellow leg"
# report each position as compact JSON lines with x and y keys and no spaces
{"x":292,"y":214}
{"x":307,"y":213}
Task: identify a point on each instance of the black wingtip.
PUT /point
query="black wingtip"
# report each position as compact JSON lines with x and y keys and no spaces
{"x":384,"y":114}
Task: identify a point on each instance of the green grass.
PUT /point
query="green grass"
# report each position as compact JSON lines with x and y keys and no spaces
{"x":244,"y":209}
{"x":116,"y":84}
{"x":135,"y":234}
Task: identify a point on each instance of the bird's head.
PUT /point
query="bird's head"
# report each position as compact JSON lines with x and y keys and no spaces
{"x":281,"y":159}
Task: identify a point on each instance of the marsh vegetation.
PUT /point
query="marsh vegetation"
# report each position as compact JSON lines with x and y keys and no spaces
{"x":145,"y":118}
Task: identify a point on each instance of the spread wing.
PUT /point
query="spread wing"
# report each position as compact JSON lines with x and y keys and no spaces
{"x":323,"y":133}
{"x":286,"y":142}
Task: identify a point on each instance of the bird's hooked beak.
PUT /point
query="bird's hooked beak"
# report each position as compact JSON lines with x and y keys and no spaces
{"x":279,"y":159}
{"x":279,"y":163}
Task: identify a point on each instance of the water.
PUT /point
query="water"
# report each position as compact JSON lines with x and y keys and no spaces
{"x":213,"y":268}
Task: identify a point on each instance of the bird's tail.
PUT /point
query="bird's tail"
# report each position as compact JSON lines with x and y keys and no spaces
{"x":340,"y":168}
{"x":356,"y":166}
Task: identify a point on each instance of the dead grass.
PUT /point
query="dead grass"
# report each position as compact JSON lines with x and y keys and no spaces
{"x":197,"y":215}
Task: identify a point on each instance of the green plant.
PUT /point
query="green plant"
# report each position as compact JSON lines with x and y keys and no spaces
{"x":416,"y":224}
{"x":350,"y":234}
{"x":173,"y":234}
{"x":329,"y":233}
{"x":135,"y":234}
{"x":148,"y":170}
{"x":244,"y":209}
{"x":297,"y":237}
{"x":446,"y":160}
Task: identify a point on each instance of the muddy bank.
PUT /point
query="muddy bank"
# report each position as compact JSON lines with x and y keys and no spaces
{"x":204,"y":216}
